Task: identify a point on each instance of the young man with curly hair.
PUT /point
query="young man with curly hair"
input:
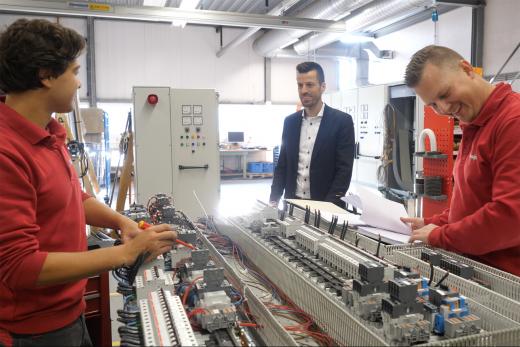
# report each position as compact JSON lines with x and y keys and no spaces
{"x":44,"y":262}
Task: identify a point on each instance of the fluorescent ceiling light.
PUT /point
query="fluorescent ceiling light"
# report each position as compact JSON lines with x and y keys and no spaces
{"x":355,"y":38}
{"x":156,"y":3}
{"x":179,"y":23}
{"x":189,"y":4}
{"x":185,"y":5}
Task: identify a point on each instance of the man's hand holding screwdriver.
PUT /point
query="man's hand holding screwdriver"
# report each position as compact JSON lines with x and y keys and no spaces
{"x":155,"y":240}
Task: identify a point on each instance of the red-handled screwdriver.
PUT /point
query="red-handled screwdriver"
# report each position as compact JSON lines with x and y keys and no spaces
{"x":143,"y":225}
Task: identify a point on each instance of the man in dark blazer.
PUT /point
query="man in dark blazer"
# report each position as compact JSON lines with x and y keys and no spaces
{"x":317,"y":152}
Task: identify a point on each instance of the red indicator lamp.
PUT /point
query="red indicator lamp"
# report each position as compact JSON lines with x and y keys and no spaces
{"x":152,"y":99}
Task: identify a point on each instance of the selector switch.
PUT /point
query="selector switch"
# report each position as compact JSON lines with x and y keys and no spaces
{"x":187,"y":129}
{"x":197,"y":129}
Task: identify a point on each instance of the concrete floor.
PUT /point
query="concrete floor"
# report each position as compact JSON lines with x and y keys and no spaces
{"x":237,"y":196}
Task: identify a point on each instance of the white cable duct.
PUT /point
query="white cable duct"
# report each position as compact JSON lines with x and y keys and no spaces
{"x":323,"y":9}
{"x":392,"y":9}
{"x":275,"y":11}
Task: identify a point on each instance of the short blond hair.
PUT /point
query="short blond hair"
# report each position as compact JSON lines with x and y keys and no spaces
{"x":436,"y":55}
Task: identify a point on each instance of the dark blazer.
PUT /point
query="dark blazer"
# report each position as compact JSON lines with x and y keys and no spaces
{"x":331,"y":162}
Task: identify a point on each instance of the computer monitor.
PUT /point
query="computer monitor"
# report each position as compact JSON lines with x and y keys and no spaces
{"x":235,"y":136}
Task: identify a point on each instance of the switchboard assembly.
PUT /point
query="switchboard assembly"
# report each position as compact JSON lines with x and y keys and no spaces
{"x":246,"y":273}
{"x":361,"y":292}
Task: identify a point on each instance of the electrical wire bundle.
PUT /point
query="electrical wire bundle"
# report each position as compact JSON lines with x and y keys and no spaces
{"x":126,"y":274}
{"x":130,"y":332}
{"x":77,"y":152}
{"x":275,"y":300}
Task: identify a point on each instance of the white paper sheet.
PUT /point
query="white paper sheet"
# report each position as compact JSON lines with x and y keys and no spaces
{"x":386,"y":235}
{"x":382,"y":213}
{"x":354,"y":200}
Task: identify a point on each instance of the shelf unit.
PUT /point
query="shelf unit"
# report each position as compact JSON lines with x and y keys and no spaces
{"x":443,"y":127}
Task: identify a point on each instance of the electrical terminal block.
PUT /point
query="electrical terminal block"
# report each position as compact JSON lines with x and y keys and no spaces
{"x":431,"y":257}
{"x":269,"y":228}
{"x":462,"y":326}
{"x":406,"y":330}
{"x":288,"y":226}
{"x":309,"y":239}
{"x":368,"y":307}
{"x":371,"y":271}
{"x":403,"y":290}
{"x":457,"y":268}
{"x":183,"y":329}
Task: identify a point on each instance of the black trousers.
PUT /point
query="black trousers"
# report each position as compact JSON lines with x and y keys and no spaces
{"x":74,"y":334}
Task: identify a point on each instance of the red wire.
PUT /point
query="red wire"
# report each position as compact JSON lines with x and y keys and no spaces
{"x":188,"y":289}
{"x":248,"y":324}
{"x":196,"y":310}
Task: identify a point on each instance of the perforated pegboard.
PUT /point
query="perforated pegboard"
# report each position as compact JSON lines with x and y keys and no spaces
{"x":442,"y":126}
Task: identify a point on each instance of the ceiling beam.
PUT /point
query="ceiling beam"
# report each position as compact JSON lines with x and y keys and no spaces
{"x":409,"y":21}
{"x":470,"y":3}
{"x":167,"y":14}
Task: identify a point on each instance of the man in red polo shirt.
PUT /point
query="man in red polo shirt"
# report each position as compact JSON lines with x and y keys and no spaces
{"x":44,"y":260}
{"x":483,"y":220}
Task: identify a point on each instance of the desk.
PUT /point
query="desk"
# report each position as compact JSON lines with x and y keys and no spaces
{"x":242,"y":154}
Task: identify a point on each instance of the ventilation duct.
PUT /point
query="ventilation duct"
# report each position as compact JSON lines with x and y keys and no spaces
{"x":359,"y":51}
{"x":276,"y":11}
{"x":329,"y":10}
{"x":382,"y":11}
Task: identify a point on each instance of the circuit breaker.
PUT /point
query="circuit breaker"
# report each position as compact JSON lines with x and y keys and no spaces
{"x":176,"y":147}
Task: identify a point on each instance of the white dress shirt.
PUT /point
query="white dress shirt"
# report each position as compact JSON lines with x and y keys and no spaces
{"x":308,"y":133}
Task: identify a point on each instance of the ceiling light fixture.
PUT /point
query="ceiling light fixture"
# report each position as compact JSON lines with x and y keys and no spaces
{"x":155,"y":3}
{"x":185,"y":5}
{"x":189,"y":4}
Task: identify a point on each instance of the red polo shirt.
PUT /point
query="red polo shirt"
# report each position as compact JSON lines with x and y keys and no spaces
{"x":41,"y":211}
{"x":483,"y":220}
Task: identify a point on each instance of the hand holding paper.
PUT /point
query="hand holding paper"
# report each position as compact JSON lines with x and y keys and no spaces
{"x":380,"y":212}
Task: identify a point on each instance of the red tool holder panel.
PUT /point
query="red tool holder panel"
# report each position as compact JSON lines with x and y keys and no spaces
{"x":443,"y":127}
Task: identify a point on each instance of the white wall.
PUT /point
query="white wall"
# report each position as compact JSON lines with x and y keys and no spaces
{"x":501,"y":35}
{"x":454,"y":31}
{"x":137,"y":53}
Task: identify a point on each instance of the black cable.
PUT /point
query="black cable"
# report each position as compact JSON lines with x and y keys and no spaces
{"x":442,"y":279}
{"x":343,"y":231}
{"x":378,"y":245}
{"x":431,"y":274}
{"x":357,"y":240}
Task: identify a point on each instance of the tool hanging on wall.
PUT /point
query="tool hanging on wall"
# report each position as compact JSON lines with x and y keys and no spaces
{"x":79,"y":156}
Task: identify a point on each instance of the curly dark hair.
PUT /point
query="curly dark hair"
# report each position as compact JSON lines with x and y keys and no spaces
{"x":32,"y":50}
